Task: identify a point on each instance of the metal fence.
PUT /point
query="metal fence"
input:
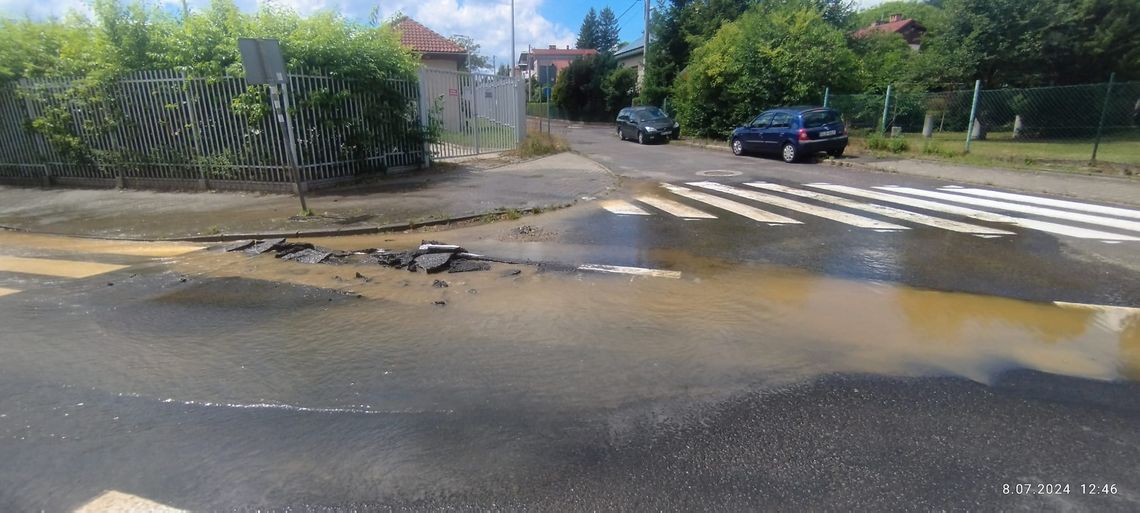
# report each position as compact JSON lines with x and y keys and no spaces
{"x":472,"y":113}
{"x":164,"y":129}
{"x":1095,"y":122}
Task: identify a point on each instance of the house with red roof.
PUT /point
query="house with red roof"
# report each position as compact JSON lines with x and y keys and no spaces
{"x":547,"y":63}
{"x":910,"y":30}
{"x":435,"y":50}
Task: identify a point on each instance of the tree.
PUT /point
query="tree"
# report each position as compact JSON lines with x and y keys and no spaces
{"x":474,"y":60}
{"x":997,"y":41}
{"x":619,"y":89}
{"x":578,"y":90}
{"x":933,"y":18}
{"x":1087,"y":41}
{"x":774,"y":54}
{"x":588,"y":33}
{"x":607,"y":36}
{"x":675,"y":31}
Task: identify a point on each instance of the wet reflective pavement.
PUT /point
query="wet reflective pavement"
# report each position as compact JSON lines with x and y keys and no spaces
{"x":210,"y":381}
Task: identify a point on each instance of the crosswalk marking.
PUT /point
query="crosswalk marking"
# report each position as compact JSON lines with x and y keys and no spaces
{"x":891,"y":212}
{"x":826,"y":213}
{"x":1049,"y":202}
{"x":1033,"y":224}
{"x":736,"y":208}
{"x":58,"y":268}
{"x":624,"y":208}
{"x":5,"y":292}
{"x":675,"y":208}
{"x":1025,"y":209}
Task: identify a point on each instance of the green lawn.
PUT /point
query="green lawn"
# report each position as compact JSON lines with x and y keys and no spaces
{"x":1118,"y":150}
{"x":491,"y":135}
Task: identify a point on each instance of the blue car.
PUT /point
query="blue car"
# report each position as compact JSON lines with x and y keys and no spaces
{"x":792,"y":133}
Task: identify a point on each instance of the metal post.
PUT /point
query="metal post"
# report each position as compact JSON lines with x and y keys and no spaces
{"x":826,"y":96}
{"x":973,"y":114}
{"x":1103,"y":113}
{"x":475,"y":108}
{"x":513,"y":37}
{"x":281,"y":105}
{"x":425,"y":116}
{"x":886,"y":109}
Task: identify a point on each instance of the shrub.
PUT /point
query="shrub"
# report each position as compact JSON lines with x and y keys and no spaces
{"x":892,"y":144}
{"x":539,"y":144}
{"x":776,"y":53}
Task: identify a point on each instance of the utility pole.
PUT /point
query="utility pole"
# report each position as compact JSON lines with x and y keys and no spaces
{"x":645,"y":44}
{"x":513,"y":38}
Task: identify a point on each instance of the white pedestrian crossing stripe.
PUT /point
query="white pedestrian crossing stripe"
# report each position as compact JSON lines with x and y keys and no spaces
{"x":741,"y":209}
{"x":1015,"y":207}
{"x":980,"y":215}
{"x":675,"y":208}
{"x":623,"y":208}
{"x":884,"y":211}
{"x":826,"y":213}
{"x":1048,"y":202}
{"x":883,"y":201}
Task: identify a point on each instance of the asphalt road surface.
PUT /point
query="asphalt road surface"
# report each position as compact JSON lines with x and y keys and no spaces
{"x":795,"y":352}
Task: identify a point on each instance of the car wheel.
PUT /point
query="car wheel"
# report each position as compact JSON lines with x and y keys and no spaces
{"x":836,"y":153}
{"x":640,"y":137}
{"x":737,"y":147}
{"x":621,"y":134}
{"x":789,"y":153}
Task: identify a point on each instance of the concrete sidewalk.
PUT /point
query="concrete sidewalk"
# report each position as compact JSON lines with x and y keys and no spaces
{"x":450,"y":192}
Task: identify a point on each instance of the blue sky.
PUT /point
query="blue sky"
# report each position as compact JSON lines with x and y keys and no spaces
{"x":537,"y":22}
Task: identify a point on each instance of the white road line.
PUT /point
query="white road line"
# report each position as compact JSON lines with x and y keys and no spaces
{"x":5,"y":292}
{"x":826,"y":213}
{"x":115,"y":501}
{"x":624,"y":208}
{"x":675,"y":208}
{"x":1049,"y":202}
{"x":637,"y":271}
{"x":750,"y":212}
{"x":891,"y":212}
{"x":1025,"y":209}
{"x":1054,"y":228}
{"x":51,"y":267}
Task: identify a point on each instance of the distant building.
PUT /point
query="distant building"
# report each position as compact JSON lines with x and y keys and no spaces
{"x":435,"y":50}
{"x":547,"y":63}
{"x":910,"y":30}
{"x":632,"y":56}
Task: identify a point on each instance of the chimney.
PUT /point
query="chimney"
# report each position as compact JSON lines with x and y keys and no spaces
{"x":553,"y":47}
{"x":567,"y":47}
{"x":896,"y":17}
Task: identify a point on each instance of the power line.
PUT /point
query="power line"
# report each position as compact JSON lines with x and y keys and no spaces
{"x":623,"y":13}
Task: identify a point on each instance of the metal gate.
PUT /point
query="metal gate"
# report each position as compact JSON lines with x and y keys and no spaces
{"x":471,"y":113}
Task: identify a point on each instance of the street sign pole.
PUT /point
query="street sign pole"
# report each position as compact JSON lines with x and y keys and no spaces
{"x":264,"y":64}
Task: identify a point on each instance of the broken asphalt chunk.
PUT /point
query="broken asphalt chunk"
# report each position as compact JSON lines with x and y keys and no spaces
{"x":511,"y":272}
{"x":439,"y":284}
{"x":307,"y":256}
{"x":263,"y":245}
{"x":439,"y":248}
{"x":433,"y":262}
{"x":462,"y":266}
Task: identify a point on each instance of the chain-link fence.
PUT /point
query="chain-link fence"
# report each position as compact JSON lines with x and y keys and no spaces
{"x":1064,"y":124}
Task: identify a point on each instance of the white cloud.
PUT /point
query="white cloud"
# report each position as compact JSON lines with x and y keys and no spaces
{"x":36,"y":9}
{"x":488,"y":22}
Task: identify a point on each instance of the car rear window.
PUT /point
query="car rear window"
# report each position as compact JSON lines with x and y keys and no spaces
{"x":818,"y":118}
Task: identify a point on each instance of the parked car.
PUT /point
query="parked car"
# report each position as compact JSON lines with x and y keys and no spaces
{"x":793,"y":133}
{"x":646,"y":124}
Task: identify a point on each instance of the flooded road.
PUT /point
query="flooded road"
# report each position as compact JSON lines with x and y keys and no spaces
{"x":209,"y":381}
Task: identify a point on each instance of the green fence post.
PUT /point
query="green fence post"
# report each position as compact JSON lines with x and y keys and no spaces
{"x":886,"y":109}
{"x":826,"y":96}
{"x":973,"y":114}
{"x":1103,"y":113}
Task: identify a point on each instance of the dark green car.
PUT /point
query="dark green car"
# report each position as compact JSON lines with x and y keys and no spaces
{"x":646,"y":124}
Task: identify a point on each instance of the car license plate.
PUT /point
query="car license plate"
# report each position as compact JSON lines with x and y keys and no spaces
{"x":827,"y":133}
